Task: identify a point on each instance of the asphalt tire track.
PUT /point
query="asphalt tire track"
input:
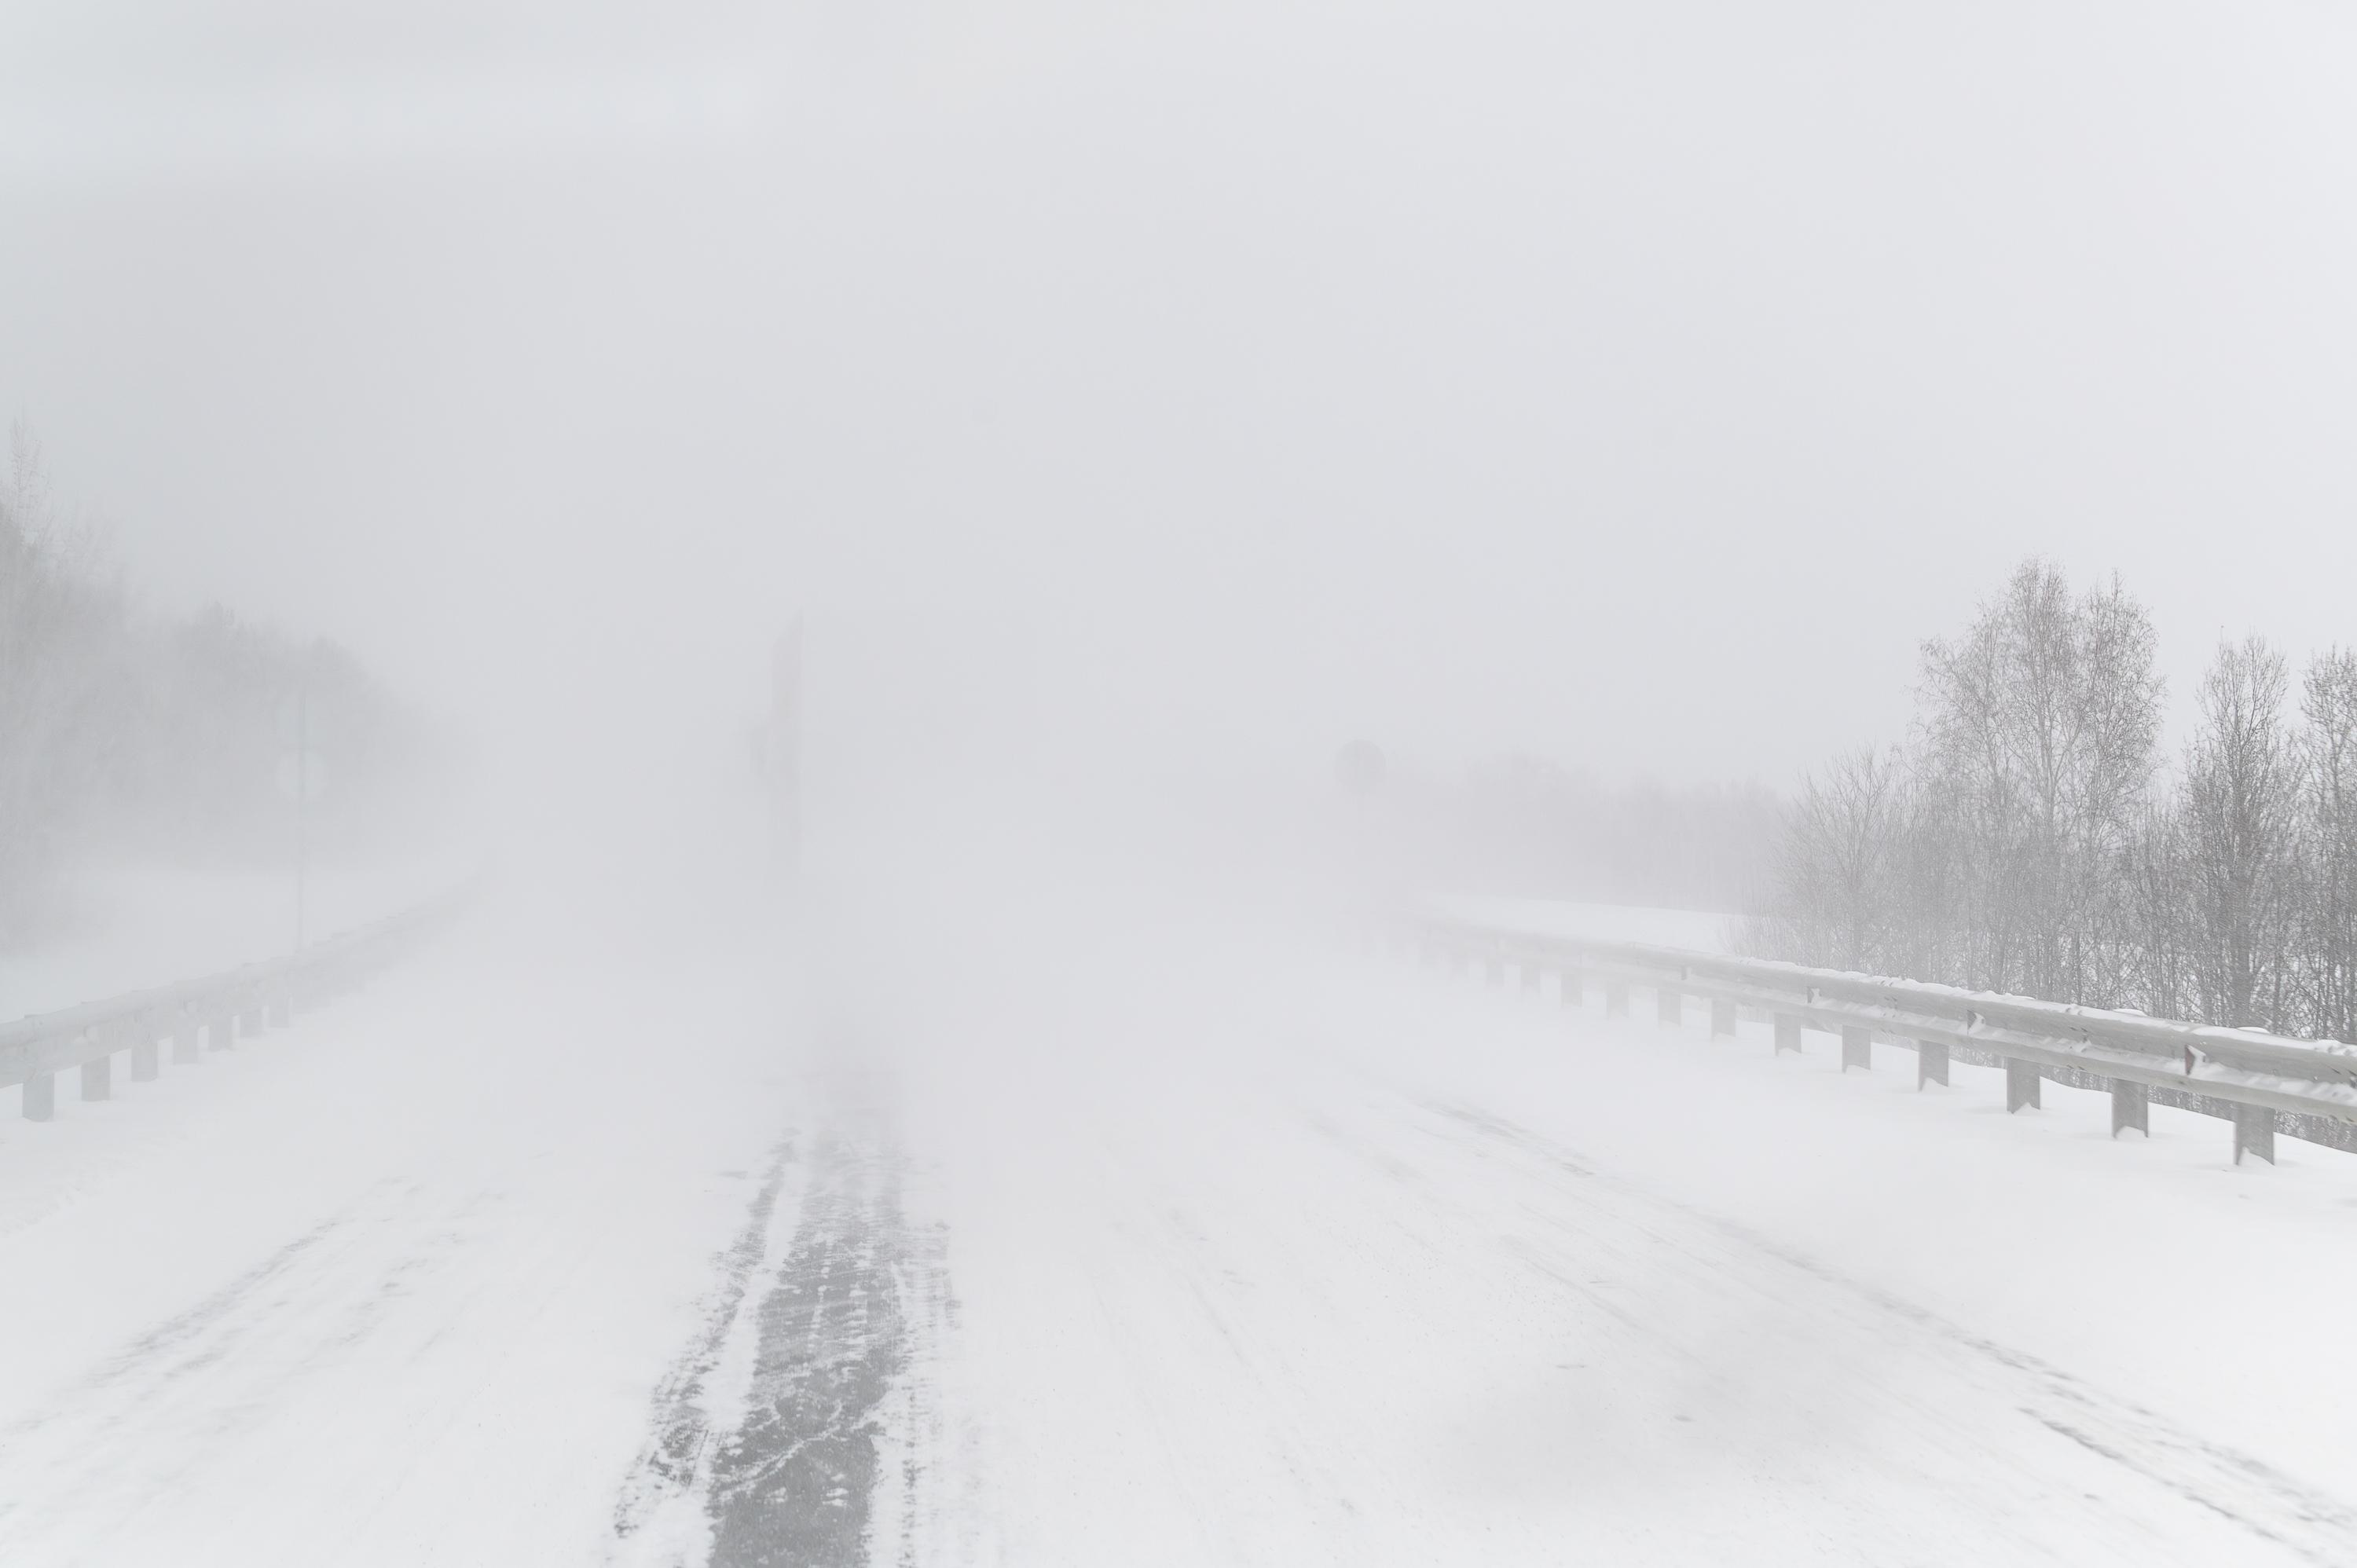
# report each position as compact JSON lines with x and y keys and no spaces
{"x":677,"y":1462}
{"x":795,"y":1484}
{"x":799,"y":1427}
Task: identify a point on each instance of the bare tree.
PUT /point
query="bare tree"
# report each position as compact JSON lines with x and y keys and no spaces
{"x":2040,"y":729}
{"x":1844,"y":857}
{"x":2327,"y":939}
{"x":2241,"y":802}
{"x":56,"y":618}
{"x":2020,"y":843}
{"x":2156,"y":928}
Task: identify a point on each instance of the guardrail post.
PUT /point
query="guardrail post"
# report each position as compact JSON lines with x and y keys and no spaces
{"x":1857,"y":1047}
{"x":41,"y":1097}
{"x":1669,"y":1005}
{"x":1616,"y":999}
{"x":2255,"y":1132}
{"x":1567,"y":985}
{"x":184,"y":1039}
{"x":2131,"y":1107}
{"x":250,"y":1021}
{"x":98,"y":1077}
{"x":280,"y":1006}
{"x":2020,"y":1085}
{"x":1931,"y":1063}
{"x":1788,"y":1033}
{"x":224,"y":1031}
{"x":1722,"y":1016}
{"x":145,"y":1068}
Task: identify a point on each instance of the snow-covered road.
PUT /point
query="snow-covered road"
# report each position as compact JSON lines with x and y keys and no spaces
{"x":1090,"y":1250}
{"x":389,"y":1287}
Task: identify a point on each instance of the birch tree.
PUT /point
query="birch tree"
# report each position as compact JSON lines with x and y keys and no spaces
{"x":2329,"y":916}
{"x":2241,"y":801}
{"x":2040,"y":726}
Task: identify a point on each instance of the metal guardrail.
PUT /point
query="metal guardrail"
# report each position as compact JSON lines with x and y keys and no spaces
{"x":2262,"y":1083}
{"x":214,"y":1012}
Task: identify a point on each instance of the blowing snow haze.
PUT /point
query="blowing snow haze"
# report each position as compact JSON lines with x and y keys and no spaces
{"x":1612,"y":381}
{"x":1518,"y":486}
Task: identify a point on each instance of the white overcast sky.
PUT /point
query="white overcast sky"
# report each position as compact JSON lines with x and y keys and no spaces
{"x":1632,"y":383}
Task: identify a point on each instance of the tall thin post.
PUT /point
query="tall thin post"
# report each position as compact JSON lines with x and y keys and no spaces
{"x":784,"y":755}
{"x":302,"y":798}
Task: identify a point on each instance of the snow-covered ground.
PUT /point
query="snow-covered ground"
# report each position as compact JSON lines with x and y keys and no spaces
{"x":386,"y":1287}
{"x":1110,"y":1242}
{"x":146,"y":925}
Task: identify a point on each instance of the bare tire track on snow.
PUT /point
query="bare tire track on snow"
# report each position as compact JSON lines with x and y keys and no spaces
{"x":771,"y":1431}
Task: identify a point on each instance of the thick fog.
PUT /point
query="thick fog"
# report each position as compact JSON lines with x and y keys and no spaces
{"x":1563,"y":495}
{"x":1206,"y":385}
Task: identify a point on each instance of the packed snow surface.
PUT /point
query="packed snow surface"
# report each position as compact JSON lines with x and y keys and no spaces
{"x":1103,"y":1241}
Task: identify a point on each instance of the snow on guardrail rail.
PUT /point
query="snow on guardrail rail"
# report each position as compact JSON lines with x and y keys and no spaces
{"x":2263,"y":1083}
{"x":214,"y":1011}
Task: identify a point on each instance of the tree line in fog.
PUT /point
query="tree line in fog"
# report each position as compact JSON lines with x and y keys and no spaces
{"x":2033,"y":836}
{"x":1527,"y":826}
{"x":127,"y":734}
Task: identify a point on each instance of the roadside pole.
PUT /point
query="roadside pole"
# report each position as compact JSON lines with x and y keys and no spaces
{"x":302,"y":802}
{"x":785,"y":756}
